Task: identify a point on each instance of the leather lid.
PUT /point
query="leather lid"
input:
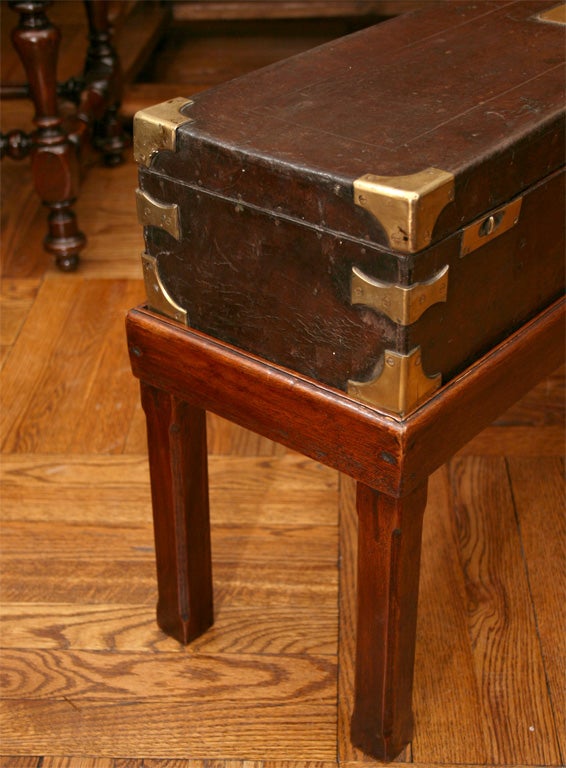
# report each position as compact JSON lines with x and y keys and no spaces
{"x":474,"y":90}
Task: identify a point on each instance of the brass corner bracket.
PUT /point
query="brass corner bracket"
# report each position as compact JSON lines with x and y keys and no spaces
{"x":402,"y":304}
{"x":154,"y":213}
{"x":155,"y":128}
{"x":407,"y":207}
{"x":158,"y":298}
{"x":399,"y":387}
{"x":554,"y":15}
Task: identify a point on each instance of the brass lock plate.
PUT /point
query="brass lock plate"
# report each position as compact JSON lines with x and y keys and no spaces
{"x":489,"y":227}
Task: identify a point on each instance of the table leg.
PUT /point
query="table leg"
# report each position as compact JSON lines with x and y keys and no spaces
{"x":389,"y":544}
{"x":179,"y":486}
{"x":102,"y":95}
{"x":53,"y":158}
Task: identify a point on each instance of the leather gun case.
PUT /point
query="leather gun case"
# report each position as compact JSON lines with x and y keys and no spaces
{"x":375,"y":213}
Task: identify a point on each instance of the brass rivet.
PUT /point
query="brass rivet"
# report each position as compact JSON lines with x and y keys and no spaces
{"x":390,"y":361}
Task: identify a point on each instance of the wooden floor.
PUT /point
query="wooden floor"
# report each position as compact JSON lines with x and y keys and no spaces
{"x":88,"y":681}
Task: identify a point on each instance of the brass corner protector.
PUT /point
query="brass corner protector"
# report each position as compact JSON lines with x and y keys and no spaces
{"x":407,"y":207}
{"x":554,"y":15}
{"x":153,"y":213}
{"x":155,"y":128}
{"x":399,"y":387}
{"x":158,"y":298}
{"x":402,"y":304}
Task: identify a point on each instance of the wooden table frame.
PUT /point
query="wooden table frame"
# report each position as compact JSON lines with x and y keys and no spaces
{"x":184,"y":373}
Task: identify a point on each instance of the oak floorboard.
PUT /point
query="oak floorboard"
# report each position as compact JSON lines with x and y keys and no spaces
{"x":79,"y":762}
{"x":92,"y":489}
{"x":516,"y":441}
{"x":132,"y":582}
{"x":199,"y":729}
{"x":22,"y":761}
{"x":273,"y":629}
{"x":241,"y":763}
{"x":46,"y":384}
{"x":509,"y":670}
{"x":538,"y":494}
{"x":218,"y":678}
{"x":544,"y":405}
{"x":23,"y":372}
{"x":446,"y":702}
{"x":230,"y":543}
{"x":136,"y":437}
{"x":16,"y":300}
{"x":226,"y":438}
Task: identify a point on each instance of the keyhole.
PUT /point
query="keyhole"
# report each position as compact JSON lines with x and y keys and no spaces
{"x":490,"y":224}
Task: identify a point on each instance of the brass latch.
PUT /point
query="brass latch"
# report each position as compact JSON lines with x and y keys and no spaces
{"x":155,"y":128}
{"x":153,"y":213}
{"x":407,"y":207}
{"x":489,"y":227}
{"x":400,"y":386}
{"x":404,"y":305}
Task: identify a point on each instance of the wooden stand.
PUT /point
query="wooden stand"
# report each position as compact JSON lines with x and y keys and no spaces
{"x":184,"y":373}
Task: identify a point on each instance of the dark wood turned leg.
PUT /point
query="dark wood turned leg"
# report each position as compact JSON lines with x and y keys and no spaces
{"x":389,"y":545}
{"x":103,"y":84}
{"x":54,"y":158}
{"x":179,"y":487}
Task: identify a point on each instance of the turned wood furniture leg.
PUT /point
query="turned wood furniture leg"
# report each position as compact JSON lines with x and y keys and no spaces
{"x":53,"y":157}
{"x":102,"y":96}
{"x":389,"y":545}
{"x":179,"y":485}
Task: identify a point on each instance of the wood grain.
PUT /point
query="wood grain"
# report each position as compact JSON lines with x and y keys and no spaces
{"x":516,"y":441}
{"x":446,"y":701}
{"x":286,"y":490}
{"x":13,"y":761}
{"x":544,"y":405}
{"x":538,"y":495}
{"x":242,"y":679}
{"x":16,"y":300}
{"x":62,"y":371}
{"x":78,"y":762}
{"x":273,"y":629}
{"x":202,"y":729}
{"x":508,"y":664}
{"x":130,"y":581}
